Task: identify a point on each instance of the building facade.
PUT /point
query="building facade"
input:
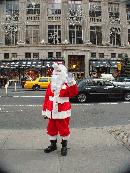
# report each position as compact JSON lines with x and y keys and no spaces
{"x":88,"y":36}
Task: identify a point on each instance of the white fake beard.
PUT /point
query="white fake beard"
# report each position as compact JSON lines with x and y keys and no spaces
{"x":56,"y":82}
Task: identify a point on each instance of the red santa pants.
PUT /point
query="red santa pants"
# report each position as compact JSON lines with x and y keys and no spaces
{"x":60,"y":126}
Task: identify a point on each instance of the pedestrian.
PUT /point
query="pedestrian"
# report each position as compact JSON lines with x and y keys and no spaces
{"x":57,"y":107}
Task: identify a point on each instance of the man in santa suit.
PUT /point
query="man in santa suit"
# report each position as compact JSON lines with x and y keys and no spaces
{"x":57,"y":107}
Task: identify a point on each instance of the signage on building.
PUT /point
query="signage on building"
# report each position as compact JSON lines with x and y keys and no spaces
{"x":119,"y":65}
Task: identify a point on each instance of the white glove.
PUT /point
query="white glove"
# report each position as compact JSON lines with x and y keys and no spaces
{"x":70,"y":80}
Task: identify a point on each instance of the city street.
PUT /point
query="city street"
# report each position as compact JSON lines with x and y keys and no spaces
{"x":22,"y":110}
{"x":90,"y":148}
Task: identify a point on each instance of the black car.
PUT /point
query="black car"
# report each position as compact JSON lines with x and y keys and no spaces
{"x":100,"y":88}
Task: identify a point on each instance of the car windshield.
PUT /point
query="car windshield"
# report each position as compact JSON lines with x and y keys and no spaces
{"x":81,"y":83}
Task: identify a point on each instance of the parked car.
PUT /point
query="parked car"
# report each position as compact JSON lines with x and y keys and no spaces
{"x":122,"y":81}
{"x":100,"y":88}
{"x":39,"y":83}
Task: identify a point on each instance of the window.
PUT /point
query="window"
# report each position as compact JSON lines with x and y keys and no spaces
{"x":27,"y":55}
{"x":95,"y":11}
{"x":6,"y":55}
{"x":13,"y":55}
{"x":75,"y":34}
{"x":54,"y":34}
{"x":43,"y":80}
{"x":12,"y":10}
{"x":113,"y":55}
{"x":93,"y":55}
{"x":113,"y":9}
{"x":128,"y":13}
{"x":101,"y":55}
{"x":58,"y":54}
{"x":120,"y":55}
{"x":50,"y":54}
{"x":54,"y":7}
{"x":115,"y":37}
{"x":95,"y":35}
{"x":75,"y":12}
{"x":33,"y":10}
{"x":129,"y":36}
{"x":32,"y":34}
{"x":35,"y":55}
{"x":76,"y":63}
{"x":11,"y":37}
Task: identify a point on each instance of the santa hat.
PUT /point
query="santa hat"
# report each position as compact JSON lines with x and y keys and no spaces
{"x":59,"y":66}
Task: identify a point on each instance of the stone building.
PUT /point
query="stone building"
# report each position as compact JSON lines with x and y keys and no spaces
{"x":88,"y":36}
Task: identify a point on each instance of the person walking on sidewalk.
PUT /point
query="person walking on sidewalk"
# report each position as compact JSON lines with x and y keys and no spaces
{"x":57,"y":108}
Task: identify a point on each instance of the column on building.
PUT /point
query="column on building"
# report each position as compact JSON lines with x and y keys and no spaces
{"x":124,"y":30}
{"x":2,"y":10}
{"x":43,"y":21}
{"x":65,"y":58}
{"x":105,"y":22}
{"x":64,"y":21}
{"x":22,"y":21}
{"x":86,"y":27}
{"x":87,"y":57}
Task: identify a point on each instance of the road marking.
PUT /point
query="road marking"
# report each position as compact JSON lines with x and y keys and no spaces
{"x":21,"y":105}
{"x":71,"y":104}
{"x":28,"y":96}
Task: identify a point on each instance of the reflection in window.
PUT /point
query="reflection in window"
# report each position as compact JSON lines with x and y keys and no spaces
{"x":93,"y":55}
{"x":95,"y":35}
{"x":35,"y":55}
{"x":113,"y":55}
{"x":101,"y":55}
{"x":113,"y":9}
{"x":129,"y":36}
{"x":12,"y":9}
{"x":11,"y":37}
{"x":76,"y":63}
{"x":115,"y":37}
{"x":32,"y":34}
{"x":54,"y":34}
{"x":128,"y":13}
{"x":33,"y":10}
{"x":95,"y":11}
{"x":54,"y":7}
{"x":75,"y":34}
{"x":27,"y":55}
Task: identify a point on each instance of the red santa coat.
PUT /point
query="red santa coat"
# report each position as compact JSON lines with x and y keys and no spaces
{"x":57,"y":106}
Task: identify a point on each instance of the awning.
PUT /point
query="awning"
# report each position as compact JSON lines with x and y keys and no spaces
{"x":22,"y":64}
{"x":100,"y":63}
{"x":50,"y":63}
{"x":114,"y":63}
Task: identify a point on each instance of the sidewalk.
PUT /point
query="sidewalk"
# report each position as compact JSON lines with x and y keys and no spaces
{"x":90,"y":150}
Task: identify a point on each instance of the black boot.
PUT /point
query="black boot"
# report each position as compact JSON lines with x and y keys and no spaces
{"x":52,"y":147}
{"x":64,"y":147}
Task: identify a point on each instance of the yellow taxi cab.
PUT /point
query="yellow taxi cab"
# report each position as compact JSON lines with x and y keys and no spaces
{"x":39,"y":83}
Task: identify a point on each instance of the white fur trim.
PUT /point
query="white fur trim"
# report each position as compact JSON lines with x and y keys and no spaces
{"x":59,"y":99}
{"x":43,"y":113}
{"x":64,"y":87}
{"x":58,"y":115}
{"x":53,"y":137}
{"x":65,"y":137}
{"x":73,"y":82}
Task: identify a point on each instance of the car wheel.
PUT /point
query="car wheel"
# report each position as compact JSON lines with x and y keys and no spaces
{"x":82,"y":98}
{"x":36,"y":87}
{"x":127,"y":96}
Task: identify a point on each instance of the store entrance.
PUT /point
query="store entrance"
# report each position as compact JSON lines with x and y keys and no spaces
{"x":76,"y":65}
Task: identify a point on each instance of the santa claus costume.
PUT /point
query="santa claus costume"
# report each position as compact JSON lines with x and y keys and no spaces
{"x":57,"y":107}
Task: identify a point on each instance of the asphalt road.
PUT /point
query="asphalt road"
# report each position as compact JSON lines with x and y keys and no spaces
{"x":22,"y":110}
